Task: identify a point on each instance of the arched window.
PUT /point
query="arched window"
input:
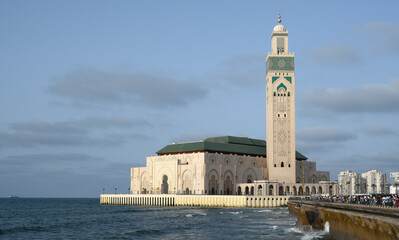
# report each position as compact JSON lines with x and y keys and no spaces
{"x":282,"y":164}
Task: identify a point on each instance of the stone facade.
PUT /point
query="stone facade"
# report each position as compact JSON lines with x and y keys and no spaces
{"x":196,"y":173}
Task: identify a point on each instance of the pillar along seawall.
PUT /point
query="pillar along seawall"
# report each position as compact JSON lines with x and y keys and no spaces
{"x":348,"y":221}
{"x":194,"y":200}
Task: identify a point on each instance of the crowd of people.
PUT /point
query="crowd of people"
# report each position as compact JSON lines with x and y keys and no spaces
{"x":388,"y":200}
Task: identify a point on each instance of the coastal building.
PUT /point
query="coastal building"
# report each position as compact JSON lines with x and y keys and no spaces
{"x":240,"y":165}
{"x":350,"y":183}
{"x":376,"y":182}
{"x":394,"y":188}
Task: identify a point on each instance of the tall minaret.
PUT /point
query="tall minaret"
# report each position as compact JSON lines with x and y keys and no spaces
{"x":280,"y":108}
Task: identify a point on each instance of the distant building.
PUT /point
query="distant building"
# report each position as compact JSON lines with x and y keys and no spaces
{"x":394,"y":189}
{"x":376,"y":182}
{"x":350,"y":183}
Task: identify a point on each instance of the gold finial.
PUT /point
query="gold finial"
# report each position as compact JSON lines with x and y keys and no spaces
{"x":279,"y":18}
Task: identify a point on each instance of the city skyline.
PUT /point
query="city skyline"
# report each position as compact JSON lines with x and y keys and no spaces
{"x":89,"y":89}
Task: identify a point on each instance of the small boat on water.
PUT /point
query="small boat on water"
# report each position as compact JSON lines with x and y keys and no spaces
{"x":13,"y":196}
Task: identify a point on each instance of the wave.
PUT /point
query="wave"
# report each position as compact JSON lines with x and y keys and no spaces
{"x":263,"y":210}
{"x":147,"y":232}
{"x":22,"y":229}
{"x":311,"y":234}
{"x":236,"y":213}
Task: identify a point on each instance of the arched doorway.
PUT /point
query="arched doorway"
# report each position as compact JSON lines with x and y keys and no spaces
{"x":300,"y":191}
{"x":313,"y":190}
{"x":239,"y":190}
{"x":271,"y":190}
{"x":252,"y":190}
{"x":320,"y":190}
{"x":187,"y":182}
{"x":228,"y":185}
{"x":164,"y":185}
{"x":330,"y":190}
{"x":249,"y":180}
{"x":260,"y":190}
{"x":213,"y":185}
{"x":287,"y":190}
{"x":281,"y":191}
{"x":247,"y":190}
{"x":294,"y":190}
{"x":307,"y":191}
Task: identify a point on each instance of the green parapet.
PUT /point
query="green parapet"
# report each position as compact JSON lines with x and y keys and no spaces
{"x":274,"y":79}
{"x":281,"y":86}
{"x":289,"y":79}
{"x":224,"y":144}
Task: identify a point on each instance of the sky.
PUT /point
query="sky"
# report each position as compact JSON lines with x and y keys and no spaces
{"x":89,"y":89}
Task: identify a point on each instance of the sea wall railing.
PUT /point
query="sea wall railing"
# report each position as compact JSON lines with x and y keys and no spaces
{"x":194,"y":200}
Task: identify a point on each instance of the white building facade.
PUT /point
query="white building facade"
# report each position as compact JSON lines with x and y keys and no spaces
{"x":376,"y":182}
{"x":394,"y":188}
{"x":350,"y":183}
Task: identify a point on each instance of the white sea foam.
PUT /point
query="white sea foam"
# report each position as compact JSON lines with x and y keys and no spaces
{"x":294,"y":229}
{"x":235,"y":213}
{"x":189,"y":215}
{"x":202,"y":214}
{"x":263,"y":210}
{"x":327,"y":227}
{"x":274,"y":227}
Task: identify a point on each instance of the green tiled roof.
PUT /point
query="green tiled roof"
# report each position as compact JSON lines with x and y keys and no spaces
{"x":225,"y":144}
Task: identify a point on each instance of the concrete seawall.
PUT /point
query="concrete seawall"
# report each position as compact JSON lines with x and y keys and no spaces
{"x":194,"y":200}
{"x":348,"y":221}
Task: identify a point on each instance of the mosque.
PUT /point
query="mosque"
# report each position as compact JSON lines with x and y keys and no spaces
{"x":231,"y":165}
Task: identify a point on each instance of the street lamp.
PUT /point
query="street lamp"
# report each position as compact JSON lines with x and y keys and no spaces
{"x":103,"y":190}
{"x":128,"y":190}
{"x":115,"y":190}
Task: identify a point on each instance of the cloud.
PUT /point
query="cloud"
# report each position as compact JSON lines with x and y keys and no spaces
{"x":307,"y":147}
{"x":324,"y":134}
{"x":243,"y":70}
{"x":193,"y":137}
{"x":79,"y":126}
{"x":336,"y":53}
{"x":92,"y":86}
{"x":367,"y":98}
{"x":377,"y":130}
{"x":33,"y":159}
{"x":72,"y":132}
{"x":383,"y":38}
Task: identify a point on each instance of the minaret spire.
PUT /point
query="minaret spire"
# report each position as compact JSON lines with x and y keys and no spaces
{"x":279,"y":18}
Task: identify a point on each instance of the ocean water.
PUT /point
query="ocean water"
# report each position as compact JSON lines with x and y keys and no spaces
{"x":86,"y":219}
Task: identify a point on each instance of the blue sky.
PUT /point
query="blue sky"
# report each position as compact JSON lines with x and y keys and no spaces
{"x":88,"y":89}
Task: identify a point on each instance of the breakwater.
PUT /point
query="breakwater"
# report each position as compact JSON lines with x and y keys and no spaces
{"x":194,"y":200}
{"x":348,"y":221}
